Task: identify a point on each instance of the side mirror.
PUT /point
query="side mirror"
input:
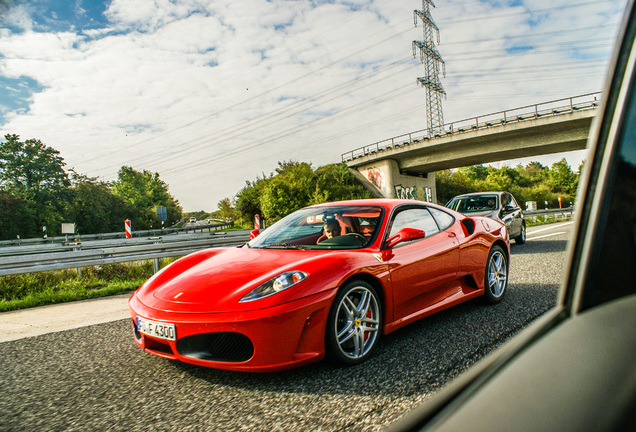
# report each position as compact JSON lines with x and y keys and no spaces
{"x":254,"y":233}
{"x":404,"y":235}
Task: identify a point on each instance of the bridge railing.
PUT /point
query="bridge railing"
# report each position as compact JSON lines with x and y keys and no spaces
{"x":516,"y":115}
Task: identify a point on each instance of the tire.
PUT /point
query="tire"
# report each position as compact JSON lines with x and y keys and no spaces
{"x":496,"y":277}
{"x":354,"y":324}
{"x":522,"y":236}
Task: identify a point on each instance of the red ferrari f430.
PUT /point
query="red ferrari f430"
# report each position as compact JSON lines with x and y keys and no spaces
{"x":327,"y":280}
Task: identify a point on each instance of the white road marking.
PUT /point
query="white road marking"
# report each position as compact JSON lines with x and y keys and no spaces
{"x":546,"y":235}
{"x":550,"y":227}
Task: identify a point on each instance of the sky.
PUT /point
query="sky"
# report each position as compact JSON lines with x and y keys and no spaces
{"x":213,"y":93}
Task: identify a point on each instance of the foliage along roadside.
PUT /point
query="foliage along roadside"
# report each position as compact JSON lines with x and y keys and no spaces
{"x":36,"y":191}
{"x":533,"y":182}
{"x":294,"y":185}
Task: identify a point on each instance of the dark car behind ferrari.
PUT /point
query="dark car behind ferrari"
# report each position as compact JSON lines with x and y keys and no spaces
{"x":501,"y":206}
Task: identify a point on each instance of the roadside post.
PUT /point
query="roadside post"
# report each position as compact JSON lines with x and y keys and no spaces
{"x":156,"y":240}
{"x":69,"y":228}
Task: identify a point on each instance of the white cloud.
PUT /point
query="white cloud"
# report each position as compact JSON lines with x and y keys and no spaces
{"x":210,"y":94}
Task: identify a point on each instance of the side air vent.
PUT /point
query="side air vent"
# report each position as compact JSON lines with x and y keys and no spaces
{"x":468,"y":226}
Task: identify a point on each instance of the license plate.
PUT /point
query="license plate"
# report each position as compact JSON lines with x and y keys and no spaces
{"x":156,"y":329}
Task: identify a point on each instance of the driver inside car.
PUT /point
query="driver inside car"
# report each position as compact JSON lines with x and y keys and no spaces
{"x":332,"y":228}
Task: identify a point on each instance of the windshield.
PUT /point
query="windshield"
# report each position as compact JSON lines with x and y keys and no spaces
{"x":337,"y":227}
{"x":473,"y":203}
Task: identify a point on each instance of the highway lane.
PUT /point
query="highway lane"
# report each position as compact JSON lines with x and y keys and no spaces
{"x":95,"y":378}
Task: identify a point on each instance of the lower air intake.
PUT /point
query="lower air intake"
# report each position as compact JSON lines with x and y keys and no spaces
{"x":223,"y":347}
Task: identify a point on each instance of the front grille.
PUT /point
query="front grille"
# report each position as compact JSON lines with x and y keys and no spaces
{"x":224,"y":347}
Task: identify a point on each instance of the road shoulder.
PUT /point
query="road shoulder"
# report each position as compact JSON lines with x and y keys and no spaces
{"x":36,"y":321}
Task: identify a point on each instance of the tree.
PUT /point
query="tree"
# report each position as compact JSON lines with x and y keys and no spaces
{"x":144,"y":191}
{"x":288,"y":191}
{"x":95,"y":208}
{"x":450,"y":183}
{"x":294,"y":185}
{"x":226,"y":209}
{"x":248,"y":200}
{"x":335,"y":183}
{"x":17,"y":217}
{"x":475,"y":172}
{"x":30,"y":167}
{"x":534,"y":182}
{"x":34,"y":172}
{"x":562,"y":179}
{"x":502,"y":179}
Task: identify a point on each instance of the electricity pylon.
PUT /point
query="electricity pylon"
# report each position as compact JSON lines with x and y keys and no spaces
{"x":432,"y":61}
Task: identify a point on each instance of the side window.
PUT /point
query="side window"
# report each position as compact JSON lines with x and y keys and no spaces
{"x":505,"y":199}
{"x":513,"y":202}
{"x":443,"y":219}
{"x":418,"y":218}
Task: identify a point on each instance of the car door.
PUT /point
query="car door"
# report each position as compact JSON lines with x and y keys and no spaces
{"x":421,"y":270}
{"x":511,"y":214}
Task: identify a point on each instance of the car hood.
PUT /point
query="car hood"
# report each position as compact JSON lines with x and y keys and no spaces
{"x":214,"y":280}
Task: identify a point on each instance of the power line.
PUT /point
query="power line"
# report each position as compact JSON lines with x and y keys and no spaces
{"x":276,"y":116}
{"x":524,"y":12}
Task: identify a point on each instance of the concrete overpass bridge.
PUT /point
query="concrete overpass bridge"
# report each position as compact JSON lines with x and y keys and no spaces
{"x":404,"y":166}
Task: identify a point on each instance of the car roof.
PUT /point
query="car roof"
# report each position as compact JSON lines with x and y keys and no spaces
{"x":479,"y":193}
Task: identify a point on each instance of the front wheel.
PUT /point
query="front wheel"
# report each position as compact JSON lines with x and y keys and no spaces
{"x":496,"y":278}
{"x":354,"y":323}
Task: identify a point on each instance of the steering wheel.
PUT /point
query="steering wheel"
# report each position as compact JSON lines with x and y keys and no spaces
{"x":358,"y":236}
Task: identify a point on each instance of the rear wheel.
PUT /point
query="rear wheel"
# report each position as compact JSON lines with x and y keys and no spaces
{"x":496,"y":278}
{"x":521,"y":239}
{"x":354,"y":323}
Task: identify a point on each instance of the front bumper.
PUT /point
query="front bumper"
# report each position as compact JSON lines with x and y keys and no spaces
{"x":263,"y":340}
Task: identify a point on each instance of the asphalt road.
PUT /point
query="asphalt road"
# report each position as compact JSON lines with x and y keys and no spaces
{"x":96,"y":379}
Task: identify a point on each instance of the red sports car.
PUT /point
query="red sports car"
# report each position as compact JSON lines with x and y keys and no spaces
{"x":327,"y":280}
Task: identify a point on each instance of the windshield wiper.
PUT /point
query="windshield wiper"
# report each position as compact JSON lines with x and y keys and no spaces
{"x":282,"y":246}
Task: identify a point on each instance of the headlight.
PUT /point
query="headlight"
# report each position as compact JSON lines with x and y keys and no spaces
{"x":275,"y":285}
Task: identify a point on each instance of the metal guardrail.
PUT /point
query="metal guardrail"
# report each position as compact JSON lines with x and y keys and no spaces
{"x":77,"y":255}
{"x":565,"y":213}
{"x":97,"y":244}
{"x":117,"y":235}
{"x":57,"y":256}
{"x":517,"y":115}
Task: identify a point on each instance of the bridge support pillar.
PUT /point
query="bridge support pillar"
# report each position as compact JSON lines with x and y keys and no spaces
{"x":384,"y":179}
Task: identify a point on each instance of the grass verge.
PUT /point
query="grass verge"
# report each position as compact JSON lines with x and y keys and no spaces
{"x":38,"y":289}
{"x":541,"y":220}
